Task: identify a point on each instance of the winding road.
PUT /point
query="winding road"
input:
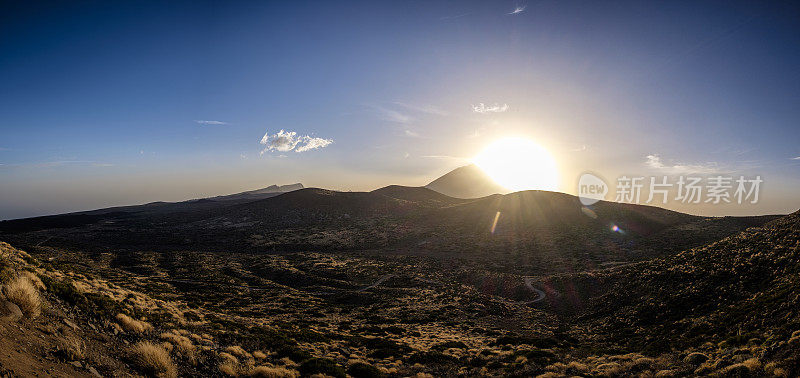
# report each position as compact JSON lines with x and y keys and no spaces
{"x":376,"y":283}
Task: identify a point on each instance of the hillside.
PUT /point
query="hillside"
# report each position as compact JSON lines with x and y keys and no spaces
{"x":741,"y":289}
{"x":728,"y":308}
{"x":530,"y":232}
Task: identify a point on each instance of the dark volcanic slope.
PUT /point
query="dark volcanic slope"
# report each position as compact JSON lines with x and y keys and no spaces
{"x":740,"y":288}
{"x":529,"y":232}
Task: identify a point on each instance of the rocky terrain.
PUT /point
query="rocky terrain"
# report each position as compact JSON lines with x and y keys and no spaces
{"x":400,"y":282}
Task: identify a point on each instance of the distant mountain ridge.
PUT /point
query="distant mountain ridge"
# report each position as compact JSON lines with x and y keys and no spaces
{"x":267,"y":192}
{"x":466,"y":182}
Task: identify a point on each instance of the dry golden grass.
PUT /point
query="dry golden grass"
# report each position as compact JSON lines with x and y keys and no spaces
{"x":608,"y":369}
{"x":37,"y":282}
{"x":259,"y":355}
{"x":132,"y":325}
{"x":153,"y":359}
{"x":182,"y":345}
{"x":228,"y":357}
{"x":72,"y":349}
{"x":752,"y":365}
{"x":238,"y":352}
{"x":22,"y":292}
{"x":273,"y":372}
{"x":230,"y":368}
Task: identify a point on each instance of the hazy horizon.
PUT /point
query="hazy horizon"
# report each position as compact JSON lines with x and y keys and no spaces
{"x":115,"y":104}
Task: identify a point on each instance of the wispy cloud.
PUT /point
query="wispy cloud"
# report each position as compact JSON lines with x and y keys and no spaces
{"x":483,"y":108}
{"x":285,"y":141}
{"x":207,"y":122}
{"x":654,"y":161}
{"x":796,"y":158}
{"x":428,"y":109}
{"x":519,"y":9}
{"x":393,"y":115}
{"x":412,"y":134}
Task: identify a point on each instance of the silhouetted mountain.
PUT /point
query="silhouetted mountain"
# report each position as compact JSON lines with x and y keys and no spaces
{"x":466,"y":182}
{"x":525,"y":231}
{"x":267,"y":192}
{"x":417,"y":194}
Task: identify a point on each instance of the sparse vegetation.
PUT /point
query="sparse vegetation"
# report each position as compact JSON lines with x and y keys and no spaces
{"x":72,"y":349}
{"x":132,"y":325}
{"x":22,"y":291}
{"x":152,"y":359}
{"x":305,"y":314}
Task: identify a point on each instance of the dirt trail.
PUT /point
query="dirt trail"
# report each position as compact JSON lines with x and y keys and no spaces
{"x":376,"y":283}
{"x":541,"y":295}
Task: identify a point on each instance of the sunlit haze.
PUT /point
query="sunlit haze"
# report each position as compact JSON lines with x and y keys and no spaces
{"x":519,"y":164}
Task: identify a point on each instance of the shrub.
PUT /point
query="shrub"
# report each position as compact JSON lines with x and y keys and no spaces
{"x":238,"y":352}
{"x":695,"y":358}
{"x":72,"y":349}
{"x":22,"y":292}
{"x":230,"y":368}
{"x":611,"y":368}
{"x":182,"y":344}
{"x":153,"y":360}
{"x":132,"y":325}
{"x":273,"y":372}
{"x":37,"y":282}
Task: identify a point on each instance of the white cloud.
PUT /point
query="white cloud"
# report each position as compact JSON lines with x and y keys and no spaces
{"x":206,"y":122}
{"x":654,"y":161}
{"x":483,"y":108}
{"x":519,"y":9}
{"x":796,"y":158}
{"x":285,"y":141}
{"x":412,"y":134}
{"x":313,"y":144}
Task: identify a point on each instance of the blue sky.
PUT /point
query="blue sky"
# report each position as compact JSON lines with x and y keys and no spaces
{"x":99,"y":101}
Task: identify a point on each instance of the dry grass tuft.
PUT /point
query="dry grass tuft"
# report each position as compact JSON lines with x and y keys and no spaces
{"x":238,"y":352}
{"x":132,"y":325}
{"x":273,"y":372}
{"x":608,"y":369}
{"x":154,"y":360}
{"x":22,"y":292}
{"x":37,"y":282}
{"x":259,"y":355}
{"x":182,"y":345}
{"x":230,"y":368}
{"x":72,"y":349}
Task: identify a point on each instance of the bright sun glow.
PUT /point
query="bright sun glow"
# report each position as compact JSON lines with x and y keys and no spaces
{"x":519,"y":164}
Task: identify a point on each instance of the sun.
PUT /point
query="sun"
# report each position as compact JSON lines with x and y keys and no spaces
{"x":519,"y":164}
